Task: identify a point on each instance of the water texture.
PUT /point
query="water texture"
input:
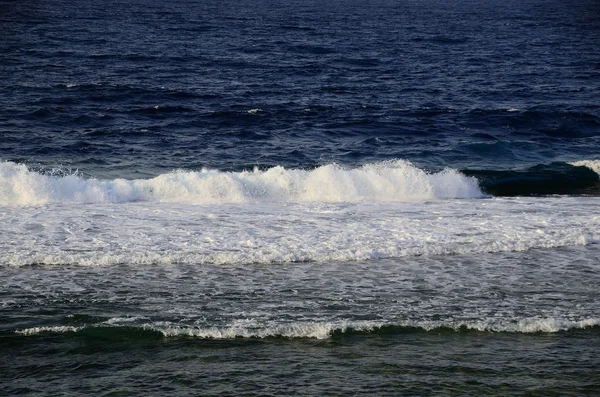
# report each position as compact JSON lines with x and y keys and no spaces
{"x":299,"y":198}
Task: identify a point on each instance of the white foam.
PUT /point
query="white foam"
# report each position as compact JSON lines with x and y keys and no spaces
{"x":53,"y":330}
{"x":594,"y":165}
{"x":160,"y":233}
{"x":526,"y":326}
{"x":377,"y":211}
{"x":395,"y":181}
{"x":315,"y":330}
{"x":124,"y":320}
{"x":324,"y":330}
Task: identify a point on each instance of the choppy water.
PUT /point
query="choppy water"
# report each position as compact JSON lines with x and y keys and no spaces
{"x":269,"y":198}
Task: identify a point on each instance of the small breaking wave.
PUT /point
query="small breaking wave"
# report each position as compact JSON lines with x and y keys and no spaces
{"x":60,"y":329}
{"x":323,"y":330}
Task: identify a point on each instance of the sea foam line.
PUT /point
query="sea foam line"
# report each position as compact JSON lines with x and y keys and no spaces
{"x":325,"y":330}
{"x":61,"y":329}
{"x":354,"y":249}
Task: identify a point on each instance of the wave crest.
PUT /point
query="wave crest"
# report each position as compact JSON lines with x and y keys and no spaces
{"x":593,"y":165}
{"x":326,"y":330}
{"x":394,"y":181}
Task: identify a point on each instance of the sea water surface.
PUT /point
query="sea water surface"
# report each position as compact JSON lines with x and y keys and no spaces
{"x":299,"y":198}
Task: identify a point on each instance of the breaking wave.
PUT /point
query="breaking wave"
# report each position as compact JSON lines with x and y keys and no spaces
{"x":593,"y":165}
{"x":324,"y":330}
{"x":391,"y":181}
{"x":394,"y":181}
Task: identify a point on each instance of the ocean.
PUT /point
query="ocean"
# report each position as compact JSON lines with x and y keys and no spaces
{"x":272,"y":198}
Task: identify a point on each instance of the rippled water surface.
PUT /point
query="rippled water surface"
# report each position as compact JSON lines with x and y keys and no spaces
{"x":138,"y":88}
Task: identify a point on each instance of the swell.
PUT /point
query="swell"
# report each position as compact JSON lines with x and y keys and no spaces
{"x":582,"y":177}
{"x":391,"y":181}
{"x":313,"y":330}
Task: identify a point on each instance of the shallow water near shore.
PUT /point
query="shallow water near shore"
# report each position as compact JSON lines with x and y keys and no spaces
{"x":497,"y":324}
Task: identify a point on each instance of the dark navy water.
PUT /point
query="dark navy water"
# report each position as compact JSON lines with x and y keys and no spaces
{"x":299,"y":197}
{"x":138,"y":88}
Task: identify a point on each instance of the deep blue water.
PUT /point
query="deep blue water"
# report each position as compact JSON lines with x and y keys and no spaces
{"x":138,"y":88}
{"x":345,"y":197}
